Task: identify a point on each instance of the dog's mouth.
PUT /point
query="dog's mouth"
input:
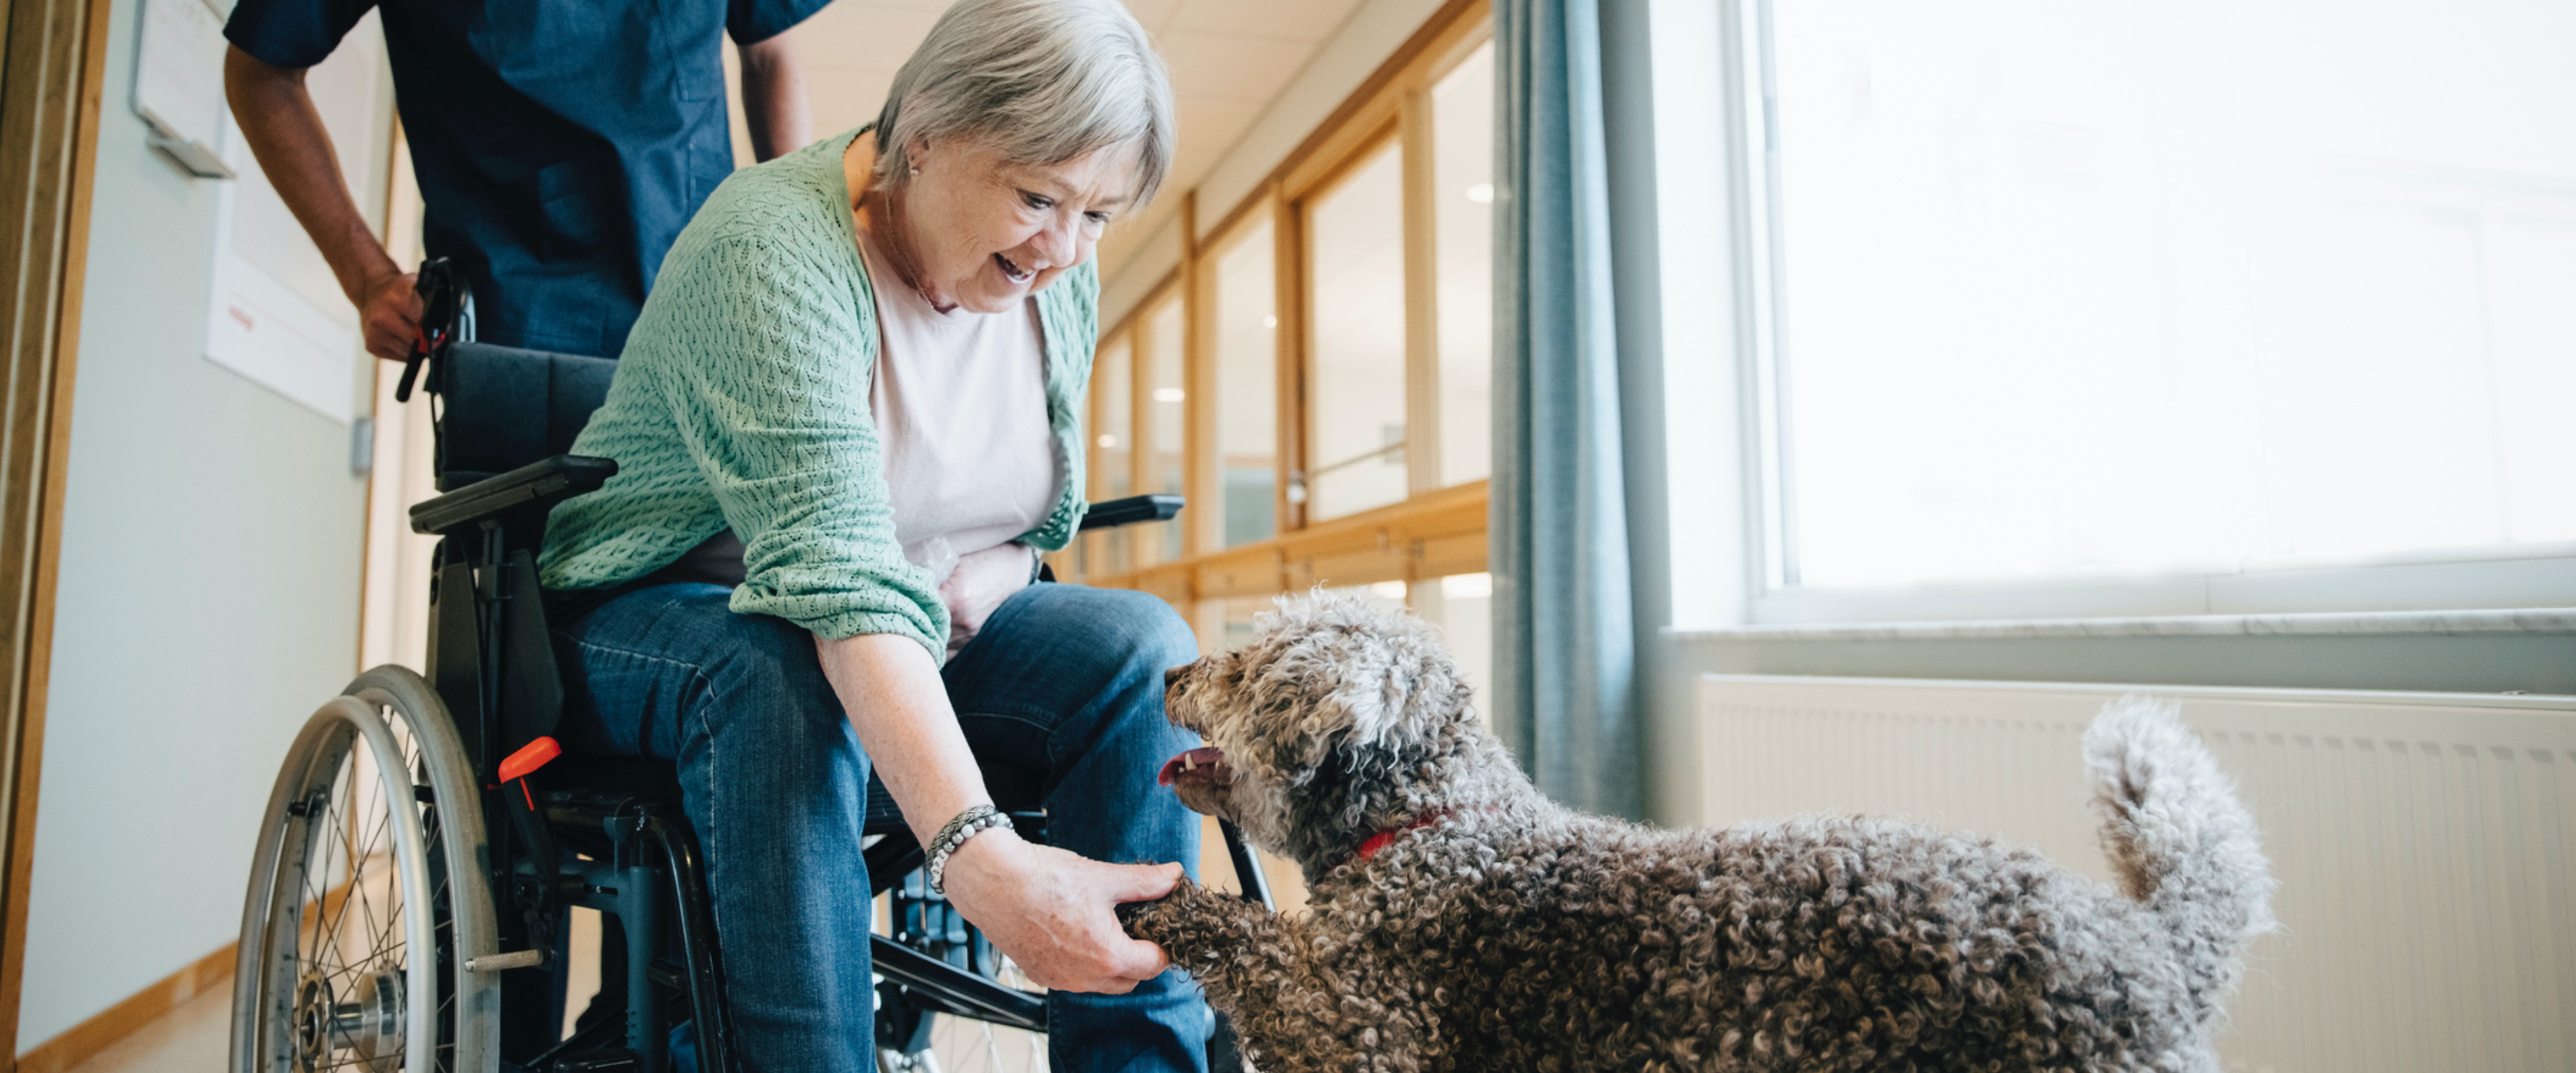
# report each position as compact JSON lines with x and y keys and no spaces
{"x":1203,"y":766}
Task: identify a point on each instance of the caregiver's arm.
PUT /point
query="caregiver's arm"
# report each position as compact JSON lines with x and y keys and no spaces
{"x":285,"y":132}
{"x":1051,"y":911}
{"x":774,"y":104}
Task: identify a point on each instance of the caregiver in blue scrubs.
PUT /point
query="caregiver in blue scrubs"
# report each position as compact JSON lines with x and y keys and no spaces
{"x":560,"y":145}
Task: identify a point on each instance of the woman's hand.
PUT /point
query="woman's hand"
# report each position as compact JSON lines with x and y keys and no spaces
{"x":1056,"y":914}
{"x":1051,"y":911}
{"x":979,"y":584}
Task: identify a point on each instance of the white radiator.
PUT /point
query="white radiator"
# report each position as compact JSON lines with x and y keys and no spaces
{"x":2425,"y":842}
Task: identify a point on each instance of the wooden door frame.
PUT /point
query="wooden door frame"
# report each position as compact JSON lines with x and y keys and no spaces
{"x":52,"y":65}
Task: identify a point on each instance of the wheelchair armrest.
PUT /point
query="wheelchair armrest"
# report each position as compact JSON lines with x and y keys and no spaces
{"x":1131,"y":510}
{"x":539,"y":484}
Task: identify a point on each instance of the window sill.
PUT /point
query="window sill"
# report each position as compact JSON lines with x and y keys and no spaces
{"x":2530,"y":620}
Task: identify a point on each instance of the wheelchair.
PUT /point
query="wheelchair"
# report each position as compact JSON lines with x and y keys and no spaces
{"x":426,"y":838}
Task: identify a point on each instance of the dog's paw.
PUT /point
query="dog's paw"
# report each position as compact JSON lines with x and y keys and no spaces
{"x":1133,"y":914}
{"x":1195,"y":922}
{"x":1140,"y":918}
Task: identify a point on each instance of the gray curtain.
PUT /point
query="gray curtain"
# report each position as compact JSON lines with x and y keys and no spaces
{"x":1564,"y":696}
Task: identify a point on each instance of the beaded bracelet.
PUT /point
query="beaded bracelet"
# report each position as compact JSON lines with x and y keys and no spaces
{"x":974,"y":821}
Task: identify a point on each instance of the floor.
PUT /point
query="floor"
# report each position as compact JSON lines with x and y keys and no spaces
{"x":189,"y":1039}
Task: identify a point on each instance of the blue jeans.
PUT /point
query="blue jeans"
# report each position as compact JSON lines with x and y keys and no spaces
{"x":1061,"y":699}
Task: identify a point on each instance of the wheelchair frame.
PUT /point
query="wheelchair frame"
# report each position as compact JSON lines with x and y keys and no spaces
{"x":602,"y":835}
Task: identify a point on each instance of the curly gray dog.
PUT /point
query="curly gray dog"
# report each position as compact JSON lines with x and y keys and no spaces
{"x":1460,"y":921}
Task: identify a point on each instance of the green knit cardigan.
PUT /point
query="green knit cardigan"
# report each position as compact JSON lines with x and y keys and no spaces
{"x":741,"y":402}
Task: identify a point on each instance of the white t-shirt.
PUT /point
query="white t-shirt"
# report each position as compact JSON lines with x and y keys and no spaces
{"x":960,"y":404}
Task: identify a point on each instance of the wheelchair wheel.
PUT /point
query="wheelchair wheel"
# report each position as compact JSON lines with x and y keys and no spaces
{"x":911,"y":1037}
{"x":368,"y":898}
{"x":965,"y":1045}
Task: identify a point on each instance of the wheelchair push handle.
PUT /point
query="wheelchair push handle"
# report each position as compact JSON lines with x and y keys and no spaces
{"x":445,"y":304}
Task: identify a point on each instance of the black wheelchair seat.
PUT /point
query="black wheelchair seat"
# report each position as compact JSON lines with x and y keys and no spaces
{"x":658,"y":782}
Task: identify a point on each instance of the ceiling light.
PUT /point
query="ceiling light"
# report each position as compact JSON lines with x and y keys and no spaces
{"x":1481,"y":193}
{"x":1167,"y":394}
{"x":1107,"y":441}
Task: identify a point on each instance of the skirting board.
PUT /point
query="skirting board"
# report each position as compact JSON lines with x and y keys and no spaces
{"x":85,"y":1040}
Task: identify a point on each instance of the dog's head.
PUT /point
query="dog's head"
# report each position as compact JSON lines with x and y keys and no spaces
{"x":1340,"y":719}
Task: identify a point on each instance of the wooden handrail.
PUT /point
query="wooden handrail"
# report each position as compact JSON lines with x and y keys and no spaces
{"x":1434,"y":534}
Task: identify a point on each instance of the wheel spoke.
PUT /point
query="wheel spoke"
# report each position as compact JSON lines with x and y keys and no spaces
{"x":341,"y":820}
{"x":326,"y":920}
{"x":358,"y":868}
{"x":362,"y":883}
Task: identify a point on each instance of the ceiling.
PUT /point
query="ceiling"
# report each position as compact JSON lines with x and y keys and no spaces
{"x":1228,"y":59}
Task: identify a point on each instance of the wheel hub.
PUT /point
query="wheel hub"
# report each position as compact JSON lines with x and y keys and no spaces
{"x":369,"y":1026}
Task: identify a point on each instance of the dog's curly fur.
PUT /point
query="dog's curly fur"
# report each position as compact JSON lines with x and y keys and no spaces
{"x":1499,"y":931}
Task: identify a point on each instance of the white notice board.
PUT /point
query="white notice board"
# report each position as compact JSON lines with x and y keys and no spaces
{"x":277,"y":314}
{"x":179,"y":83}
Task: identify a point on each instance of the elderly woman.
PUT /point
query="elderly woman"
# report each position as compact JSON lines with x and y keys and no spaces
{"x":845,"y":426}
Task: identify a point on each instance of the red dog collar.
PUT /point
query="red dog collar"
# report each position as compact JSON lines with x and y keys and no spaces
{"x":1386,"y":838}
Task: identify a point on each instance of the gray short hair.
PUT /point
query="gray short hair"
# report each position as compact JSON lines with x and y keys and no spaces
{"x":1047,"y":81}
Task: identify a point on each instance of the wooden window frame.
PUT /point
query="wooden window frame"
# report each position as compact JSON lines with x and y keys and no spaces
{"x":1436,"y":531}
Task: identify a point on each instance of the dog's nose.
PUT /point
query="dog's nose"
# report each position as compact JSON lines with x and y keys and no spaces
{"x":1173,"y":677}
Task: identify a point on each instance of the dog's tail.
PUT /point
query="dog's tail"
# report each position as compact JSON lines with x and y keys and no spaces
{"x":2182,"y":843}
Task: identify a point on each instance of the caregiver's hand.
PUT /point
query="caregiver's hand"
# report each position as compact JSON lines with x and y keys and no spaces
{"x":1055,"y":913}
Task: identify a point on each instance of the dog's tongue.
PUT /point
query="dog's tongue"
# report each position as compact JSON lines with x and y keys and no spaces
{"x":1198,"y":757}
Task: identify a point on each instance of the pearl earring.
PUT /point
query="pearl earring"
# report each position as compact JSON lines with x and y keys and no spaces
{"x":916,"y":171}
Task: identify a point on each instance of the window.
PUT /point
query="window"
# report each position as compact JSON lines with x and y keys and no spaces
{"x":1315,"y":373}
{"x":2117,"y":289}
{"x":1462,"y":161}
{"x":1247,"y":387}
{"x":1356,"y":377}
{"x":1462,"y":606}
{"x":1161,"y":347}
{"x":1400,"y":271}
{"x":1113,"y":439}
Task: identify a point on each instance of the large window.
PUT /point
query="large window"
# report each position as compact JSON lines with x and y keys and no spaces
{"x":1400,"y":284}
{"x":1462,"y":161}
{"x":1355,"y":253}
{"x":1161,"y":348}
{"x":2119,"y":288}
{"x":1247,"y":387}
{"x":1316,"y":372}
{"x":1113,"y":444}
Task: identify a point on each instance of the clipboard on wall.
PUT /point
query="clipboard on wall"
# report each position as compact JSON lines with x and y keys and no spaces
{"x":179,"y":84}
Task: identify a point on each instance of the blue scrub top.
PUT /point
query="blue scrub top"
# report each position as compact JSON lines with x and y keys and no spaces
{"x":560,"y":145}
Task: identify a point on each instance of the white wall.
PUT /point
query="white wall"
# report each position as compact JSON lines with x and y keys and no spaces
{"x":208,"y":600}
